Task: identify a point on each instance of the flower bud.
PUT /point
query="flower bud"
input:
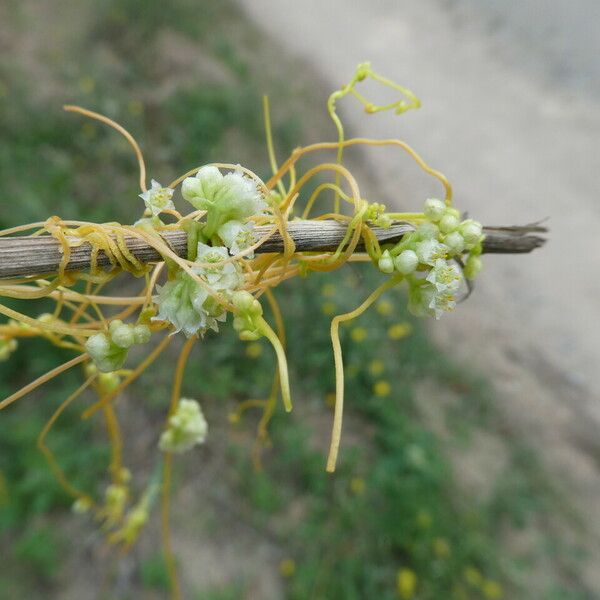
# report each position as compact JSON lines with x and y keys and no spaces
{"x":243,"y":301}
{"x":386,"y":263}
{"x":434,"y":209}
{"x":449,"y":222}
{"x":428,"y":231}
{"x":472,"y":267}
{"x":471,"y":231}
{"x":406,"y":262}
{"x":121,"y":334}
{"x":187,"y":427}
{"x":455,"y":242}
{"x":141,"y":334}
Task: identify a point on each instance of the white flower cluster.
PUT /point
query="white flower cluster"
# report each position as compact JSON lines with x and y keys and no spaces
{"x":232,"y":196}
{"x":187,"y":427}
{"x":187,"y":304}
{"x":109,"y":349}
{"x":427,"y":252}
{"x":229,"y":200}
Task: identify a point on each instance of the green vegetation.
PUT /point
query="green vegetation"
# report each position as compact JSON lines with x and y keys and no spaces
{"x":393,"y":522}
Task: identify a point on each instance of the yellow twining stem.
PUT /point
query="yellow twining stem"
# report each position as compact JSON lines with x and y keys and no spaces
{"x":336,"y":432}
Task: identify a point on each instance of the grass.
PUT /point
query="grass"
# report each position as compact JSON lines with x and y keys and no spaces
{"x":393,"y":522}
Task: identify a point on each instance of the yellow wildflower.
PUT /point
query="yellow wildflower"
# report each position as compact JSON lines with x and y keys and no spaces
{"x":406,"y":583}
{"x":473,"y":576}
{"x":399,"y":330}
{"x":384,"y":307}
{"x":382,"y":388}
{"x":87,"y":84}
{"x":357,"y":485}
{"x":424,"y":519}
{"x":328,"y":290}
{"x":287,"y":567}
{"x":358,"y":334}
{"x":328,"y":308}
{"x":376,"y":367}
{"x":491,"y":589}
{"x":135,"y":108}
{"x":441,"y":547}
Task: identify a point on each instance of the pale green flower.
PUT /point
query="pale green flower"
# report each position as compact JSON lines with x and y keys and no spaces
{"x":187,"y":427}
{"x":425,"y":300}
{"x":232,"y":196}
{"x":158,"y":198}
{"x":188,"y":305}
{"x":219,"y":276}
{"x":180,"y":303}
{"x":445,"y":277}
{"x":428,"y":251}
{"x":237,"y":236}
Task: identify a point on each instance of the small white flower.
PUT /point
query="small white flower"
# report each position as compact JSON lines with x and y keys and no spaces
{"x":386,"y":262}
{"x":428,"y":251}
{"x":441,"y":303}
{"x":406,"y":262}
{"x":445,"y":277}
{"x":189,"y":306}
{"x":158,"y":198}
{"x":187,"y":427}
{"x":233,"y":196}
{"x":180,"y":303}
{"x":425,"y":300}
{"x":237,"y":236}
{"x":219,"y":276}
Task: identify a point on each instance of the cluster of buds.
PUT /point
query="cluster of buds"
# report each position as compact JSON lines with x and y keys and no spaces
{"x":377,"y":215}
{"x":248,"y":320}
{"x":229,"y":200}
{"x":186,"y":428}
{"x":423,"y":258}
{"x":188,"y":305}
{"x":109,"y":349}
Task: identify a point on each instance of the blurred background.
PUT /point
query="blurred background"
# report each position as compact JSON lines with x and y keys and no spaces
{"x":470,"y":449}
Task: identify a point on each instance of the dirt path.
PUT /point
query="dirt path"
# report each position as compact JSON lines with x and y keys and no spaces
{"x":511,"y":113}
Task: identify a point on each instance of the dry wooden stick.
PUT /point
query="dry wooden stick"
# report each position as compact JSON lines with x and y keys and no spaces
{"x":35,"y":255}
